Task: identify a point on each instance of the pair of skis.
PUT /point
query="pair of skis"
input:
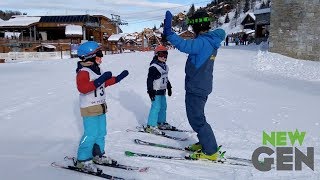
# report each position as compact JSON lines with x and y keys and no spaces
{"x":141,"y":142}
{"x":223,"y":160}
{"x":163,"y":134}
{"x":99,"y":173}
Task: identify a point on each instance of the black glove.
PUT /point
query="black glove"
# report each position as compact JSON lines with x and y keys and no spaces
{"x":169,"y":92}
{"x":169,"y":87}
{"x":152,"y":94}
{"x":102,"y":79}
{"x":122,"y":75}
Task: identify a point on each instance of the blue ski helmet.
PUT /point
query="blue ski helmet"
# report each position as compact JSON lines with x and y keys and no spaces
{"x":88,"y":50}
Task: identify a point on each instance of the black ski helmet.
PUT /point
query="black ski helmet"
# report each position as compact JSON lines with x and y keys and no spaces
{"x":200,"y":21}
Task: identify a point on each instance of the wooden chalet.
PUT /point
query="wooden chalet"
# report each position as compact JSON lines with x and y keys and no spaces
{"x":33,"y":30}
{"x":262,"y":25}
{"x":188,"y":34}
{"x":249,"y":22}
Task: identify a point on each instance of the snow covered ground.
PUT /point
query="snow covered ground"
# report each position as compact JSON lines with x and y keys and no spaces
{"x":253,"y":91}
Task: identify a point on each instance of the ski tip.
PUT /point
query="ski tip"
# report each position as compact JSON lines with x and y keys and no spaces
{"x":129,"y":153}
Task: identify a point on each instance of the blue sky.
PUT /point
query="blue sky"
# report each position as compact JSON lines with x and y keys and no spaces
{"x":138,"y":14}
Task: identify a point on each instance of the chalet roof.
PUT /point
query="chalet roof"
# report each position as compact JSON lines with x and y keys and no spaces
{"x":69,"y":19}
{"x":262,"y":16}
{"x":245,"y":19}
{"x":130,"y":37}
{"x":185,"y":32}
{"x":115,"y":37}
{"x":262,"y":11}
{"x":20,"y":21}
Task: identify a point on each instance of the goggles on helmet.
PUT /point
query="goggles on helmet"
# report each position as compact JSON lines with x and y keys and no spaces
{"x":162,"y":54}
{"x":198,"y":20}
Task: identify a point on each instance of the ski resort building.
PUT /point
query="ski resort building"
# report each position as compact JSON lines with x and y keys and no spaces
{"x":26,"y":33}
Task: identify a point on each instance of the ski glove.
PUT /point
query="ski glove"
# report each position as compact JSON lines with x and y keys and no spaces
{"x":102,"y":79}
{"x":122,"y":75}
{"x":167,"y":24}
{"x":152,"y":94}
{"x":169,"y":87}
{"x":169,"y":91}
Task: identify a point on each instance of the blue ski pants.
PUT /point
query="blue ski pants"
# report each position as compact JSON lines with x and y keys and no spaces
{"x":93,"y":140}
{"x":158,"y":111}
{"x":195,"y":112}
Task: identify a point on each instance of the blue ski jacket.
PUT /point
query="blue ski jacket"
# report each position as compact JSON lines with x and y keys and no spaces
{"x":199,"y":66}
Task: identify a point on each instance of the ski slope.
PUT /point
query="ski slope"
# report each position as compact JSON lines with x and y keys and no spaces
{"x":253,"y":91}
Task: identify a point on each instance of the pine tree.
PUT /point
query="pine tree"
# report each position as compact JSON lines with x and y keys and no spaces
{"x":227,"y":20}
{"x":246,"y":7}
{"x":191,"y":10}
{"x":252,"y":4}
{"x":236,"y":14}
{"x":269,"y":3}
{"x":154,"y":28}
{"x":263,"y":5}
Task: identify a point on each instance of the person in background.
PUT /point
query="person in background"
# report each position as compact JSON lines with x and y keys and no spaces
{"x":157,"y":85}
{"x":227,"y":41}
{"x":202,"y":51}
{"x":91,"y":83}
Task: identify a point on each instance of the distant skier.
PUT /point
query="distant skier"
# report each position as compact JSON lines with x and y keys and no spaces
{"x":157,"y":84}
{"x":198,"y":80}
{"x":91,"y":83}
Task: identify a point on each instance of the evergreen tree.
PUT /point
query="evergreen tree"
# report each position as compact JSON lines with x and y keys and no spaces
{"x":269,"y":3}
{"x":191,"y":11}
{"x":246,"y":7}
{"x":263,"y":5}
{"x":154,"y":28}
{"x":236,"y":14}
{"x":227,"y":20}
{"x":7,"y":14}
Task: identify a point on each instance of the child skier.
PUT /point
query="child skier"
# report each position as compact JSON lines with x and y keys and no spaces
{"x":157,"y":84}
{"x":91,"y":83}
{"x":198,"y":81}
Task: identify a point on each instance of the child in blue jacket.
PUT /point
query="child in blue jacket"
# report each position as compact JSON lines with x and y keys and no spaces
{"x":202,"y":51}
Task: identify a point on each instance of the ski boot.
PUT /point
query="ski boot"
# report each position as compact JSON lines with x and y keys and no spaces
{"x":153,"y":130}
{"x":103,"y":160}
{"x":194,"y":147}
{"x":200,"y":155}
{"x":166,"y":126}
{"x":88,"y":166}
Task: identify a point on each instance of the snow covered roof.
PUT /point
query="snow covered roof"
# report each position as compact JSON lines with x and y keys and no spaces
{"x":73,"y":30}
{"x":262,"y":11}
{"x":249,"y":31}
{"x":184,"y":32}
{"x":252,"y":15}
{"x":47,"y":46}
{"x":115,"y":37}
{"x":20,"y":21}
{"x":130,"y":37}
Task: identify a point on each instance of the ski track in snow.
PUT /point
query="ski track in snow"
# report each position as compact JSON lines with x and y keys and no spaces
{"x":40,"y":121}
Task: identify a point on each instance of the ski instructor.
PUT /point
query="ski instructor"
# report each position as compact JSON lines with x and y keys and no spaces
{"x":202,"y":51}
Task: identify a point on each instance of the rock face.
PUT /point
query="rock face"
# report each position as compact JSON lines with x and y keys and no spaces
{"x":295,"y":28}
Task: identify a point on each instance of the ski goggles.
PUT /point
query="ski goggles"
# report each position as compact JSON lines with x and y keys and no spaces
{"x":198,"y":20}
{"x":162,"y":54}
